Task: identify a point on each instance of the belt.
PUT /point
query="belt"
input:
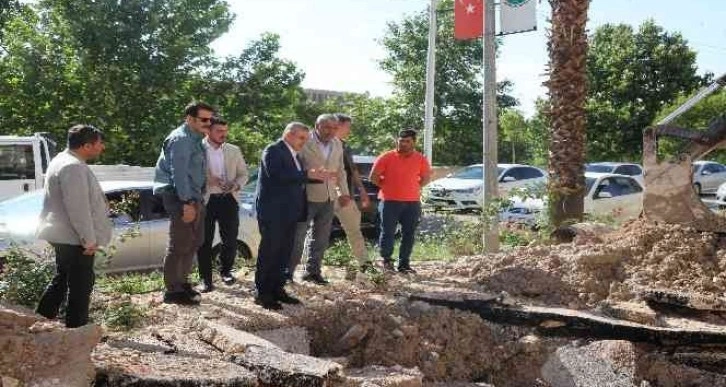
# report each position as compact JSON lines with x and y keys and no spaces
{"x":219,"y":195}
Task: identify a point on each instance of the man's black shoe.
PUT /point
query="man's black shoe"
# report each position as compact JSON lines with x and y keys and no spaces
{"x":406,"y":270}
{"x":283,"y":297}
{"x":191,"y":293}
{"x":315,"y":278}
{"x":387,"y":265}
{"x":180,"y":298}
{"x":228,"y":278}
{"x":268,"y":302}
{"x":206,"y":288}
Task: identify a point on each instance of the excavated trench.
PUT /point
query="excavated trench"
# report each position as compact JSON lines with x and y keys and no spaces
{"x":641,"y":306}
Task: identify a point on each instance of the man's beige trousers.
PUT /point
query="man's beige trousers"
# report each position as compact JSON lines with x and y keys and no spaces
{"x":349,"y":217}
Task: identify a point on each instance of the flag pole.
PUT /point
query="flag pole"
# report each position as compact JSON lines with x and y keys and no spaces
{"x":430,"y":76}
{"x":490,"y":235}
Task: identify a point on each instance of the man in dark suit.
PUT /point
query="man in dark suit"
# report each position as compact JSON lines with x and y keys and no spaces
{"x":281,"y":203}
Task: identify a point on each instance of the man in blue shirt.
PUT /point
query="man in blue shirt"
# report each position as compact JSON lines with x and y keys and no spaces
{"x":179,"y":179}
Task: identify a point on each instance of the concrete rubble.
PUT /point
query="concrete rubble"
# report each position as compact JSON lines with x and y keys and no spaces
{"x":37,"y":352}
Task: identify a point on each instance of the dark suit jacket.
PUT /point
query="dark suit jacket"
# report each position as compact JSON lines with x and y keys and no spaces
{"x":281,"y":187}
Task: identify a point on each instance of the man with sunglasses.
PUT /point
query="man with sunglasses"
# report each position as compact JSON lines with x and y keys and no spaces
{"x":180,"y":179}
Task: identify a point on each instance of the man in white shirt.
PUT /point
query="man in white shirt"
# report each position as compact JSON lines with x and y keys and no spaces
{"x":226,"y":175}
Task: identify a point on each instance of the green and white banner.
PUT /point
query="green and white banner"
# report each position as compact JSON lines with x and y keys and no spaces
{"x":518,"y":16}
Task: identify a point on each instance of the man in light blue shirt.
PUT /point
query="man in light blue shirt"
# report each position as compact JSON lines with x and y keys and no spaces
{"x":179,"y":180}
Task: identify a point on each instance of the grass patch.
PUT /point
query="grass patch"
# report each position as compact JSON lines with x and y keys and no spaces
{"x":131,"y":283}
{"x":123,"y":314}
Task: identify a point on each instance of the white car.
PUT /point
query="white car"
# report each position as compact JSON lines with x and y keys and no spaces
{"x":627,"y":169}
{"x":708,"y":176}
{"x":462,"y":189}
{"x":142,"y":251}
{"x":607,"y":194}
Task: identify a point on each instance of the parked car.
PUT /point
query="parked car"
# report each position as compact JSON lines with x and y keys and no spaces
{"x":721,"y":192}
{"x":142,"y":212}
{"x":627,"y":169}
{"x":607,"y":194}
{"x":522,"y":213}
{"x":369,"y":216}
{"x":462,"y":189}
{"x":708,"y":176}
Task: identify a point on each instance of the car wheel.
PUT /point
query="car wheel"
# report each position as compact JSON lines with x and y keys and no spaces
{"x":697,"y":188}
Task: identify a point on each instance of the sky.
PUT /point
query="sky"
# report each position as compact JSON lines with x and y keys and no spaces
{"x":336,"y":42}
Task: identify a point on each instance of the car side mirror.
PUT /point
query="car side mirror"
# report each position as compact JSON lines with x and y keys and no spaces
{"x":507,"y":179}
{"x":604,"y":195}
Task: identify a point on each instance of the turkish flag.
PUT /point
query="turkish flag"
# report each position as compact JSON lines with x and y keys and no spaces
{"x":468,"y":19}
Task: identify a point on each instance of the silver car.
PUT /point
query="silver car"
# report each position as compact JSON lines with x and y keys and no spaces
{"x":141,"y":227}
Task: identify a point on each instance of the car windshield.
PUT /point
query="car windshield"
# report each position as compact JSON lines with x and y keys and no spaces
{"x":27,"y":206}
{"x":599,"y":168}
{"x":16,"y":162}
{"x":473,"y":173}
{"x":589,"y":181}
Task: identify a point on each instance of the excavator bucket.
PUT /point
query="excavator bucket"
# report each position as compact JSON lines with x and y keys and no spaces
{"x":669,"y":194}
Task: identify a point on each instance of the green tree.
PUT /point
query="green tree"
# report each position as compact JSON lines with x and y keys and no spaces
{"x":632,"y":75}
{"x":130,"y":67}
{"x":699,"y":118}
{"x":458,"y":95}
{"x":258,"y":91}
{"x":136,"y":59}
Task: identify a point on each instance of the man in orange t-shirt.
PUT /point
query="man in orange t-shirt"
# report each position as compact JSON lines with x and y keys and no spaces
{"x":400,"y":174}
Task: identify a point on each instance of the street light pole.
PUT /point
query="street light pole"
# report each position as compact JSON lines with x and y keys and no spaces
{"x":430,"y":76}
{"x":490,"y":235}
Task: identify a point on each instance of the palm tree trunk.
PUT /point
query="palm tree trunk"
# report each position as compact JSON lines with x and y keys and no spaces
{"x":567,"y":86}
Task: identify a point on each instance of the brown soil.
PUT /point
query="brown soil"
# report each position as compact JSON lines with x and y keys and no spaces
{"x":614,"y":266}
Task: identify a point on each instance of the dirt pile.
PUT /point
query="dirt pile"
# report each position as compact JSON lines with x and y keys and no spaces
{"x":615,"y":266}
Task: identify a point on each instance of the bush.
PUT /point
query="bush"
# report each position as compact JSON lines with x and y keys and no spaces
{"x":24,"y":276}
{"x":123,"y":314}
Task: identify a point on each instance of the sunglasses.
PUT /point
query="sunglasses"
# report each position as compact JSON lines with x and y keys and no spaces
{"x":204,"y":119}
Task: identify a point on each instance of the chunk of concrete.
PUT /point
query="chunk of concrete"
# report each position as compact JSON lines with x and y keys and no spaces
{"x":126,"y":367}
{"x":571,"y":366}
{"x":395,"y":376}
{"x":230,"y":340}
{"x":290,"y":339}
{"x":278,"y":368}
{"x":39,"y":352}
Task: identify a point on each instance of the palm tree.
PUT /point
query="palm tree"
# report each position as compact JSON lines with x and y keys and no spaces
{"x":567,"y":86}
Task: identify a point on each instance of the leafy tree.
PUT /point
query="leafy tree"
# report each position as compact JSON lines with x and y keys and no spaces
{"x":698,"y":118}
{"x":137,"y":57}
{"x":130,"y":67}
{"x":458,"y":95}
{"x":257,"y":91}
{"x":632,"y":75}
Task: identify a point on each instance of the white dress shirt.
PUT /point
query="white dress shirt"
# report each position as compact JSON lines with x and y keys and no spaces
{"x":325,"y":148}
{"x":294,"y":156}
{"x":215,"y":162}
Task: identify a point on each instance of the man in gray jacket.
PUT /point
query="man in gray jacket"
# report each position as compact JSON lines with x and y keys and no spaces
{"x":323,"y":152}
{"x":75,"y":221}
{"x":180,"y":178}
